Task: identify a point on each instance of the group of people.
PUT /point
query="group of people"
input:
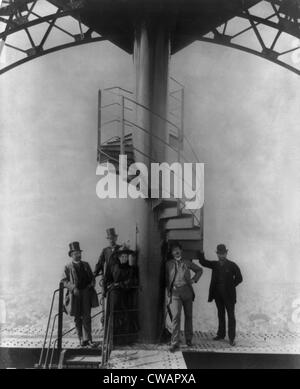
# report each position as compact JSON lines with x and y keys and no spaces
{"x":226,"y":276}
{"x":117,"y":265}
{"x":119,"y":272}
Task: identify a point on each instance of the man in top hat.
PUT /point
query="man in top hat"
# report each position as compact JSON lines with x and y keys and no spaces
{"x":180,"y":291}
{"x":81,"y":296}
{"x":108,"y":254}
{"x":226,"y":276}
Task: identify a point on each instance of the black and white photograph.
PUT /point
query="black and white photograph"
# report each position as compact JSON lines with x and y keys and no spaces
{"x":149,"y":187}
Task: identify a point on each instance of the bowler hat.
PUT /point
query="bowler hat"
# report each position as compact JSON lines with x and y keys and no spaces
{"x":74,"y":246}
{"x":221,"y":249}
{"x":124,"y":249}
{"x":110,"y":232}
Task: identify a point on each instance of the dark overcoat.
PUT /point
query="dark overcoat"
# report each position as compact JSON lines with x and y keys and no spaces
{"x":233,"y":277}
{"x":70,"y":281}
{"x":107,"y":254}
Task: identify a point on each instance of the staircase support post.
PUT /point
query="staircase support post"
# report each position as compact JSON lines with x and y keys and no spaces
{"x":99,"y":124}
{"x":122,"y":126}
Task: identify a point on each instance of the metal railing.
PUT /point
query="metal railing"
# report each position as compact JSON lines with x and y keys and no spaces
{"x":109,"y":316}
{"x":124,"y":121}
{"x":49,"y":345}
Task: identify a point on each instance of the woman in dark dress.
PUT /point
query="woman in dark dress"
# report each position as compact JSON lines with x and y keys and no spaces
{"x":123,"y":293}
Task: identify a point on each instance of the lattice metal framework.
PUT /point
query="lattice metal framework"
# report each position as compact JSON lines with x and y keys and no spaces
{"x":270,"y":30}
{"x":32,"y":28}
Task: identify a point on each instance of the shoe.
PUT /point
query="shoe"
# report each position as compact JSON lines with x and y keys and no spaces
{"x":174,"y":348}
{"x":218,"y":338}
{"x":232,"y":343}
{"x":189,"y":343}
{"x":90,"y":344}
{"x":84,"y":343}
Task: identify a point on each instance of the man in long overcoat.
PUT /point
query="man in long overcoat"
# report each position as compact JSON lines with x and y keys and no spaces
{"x":226,"y":276}
{"x":81,"y":296}
{"x":107,"y":257}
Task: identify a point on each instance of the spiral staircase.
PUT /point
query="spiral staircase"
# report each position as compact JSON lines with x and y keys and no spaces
{"x":115,"y":138}
{"x":116,"y":109}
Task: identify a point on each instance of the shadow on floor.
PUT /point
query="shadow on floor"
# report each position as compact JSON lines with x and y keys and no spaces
{"x":22,"y":358}
{"x":203,"y":360}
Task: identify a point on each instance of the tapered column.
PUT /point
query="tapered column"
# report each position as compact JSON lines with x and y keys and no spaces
{"x":151,"y":58}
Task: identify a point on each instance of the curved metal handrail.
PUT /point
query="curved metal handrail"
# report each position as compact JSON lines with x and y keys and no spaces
{"x":178,"y":199}
{"x":157,"y":115}
{"x":181,"y":156}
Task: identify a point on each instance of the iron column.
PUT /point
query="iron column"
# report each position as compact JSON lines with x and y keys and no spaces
{"x":151,"y":58}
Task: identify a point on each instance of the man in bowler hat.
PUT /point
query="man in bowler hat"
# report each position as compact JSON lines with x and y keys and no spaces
{"x":226,"y":276}
{"x":180,"y":292}
{"x":81,"y":296}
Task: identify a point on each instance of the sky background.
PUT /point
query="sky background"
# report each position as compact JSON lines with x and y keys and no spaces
{"x":242,"y":117}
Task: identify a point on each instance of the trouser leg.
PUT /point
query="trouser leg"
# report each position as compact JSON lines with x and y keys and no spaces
{"x":221,"y":317}
{"x":78,"y":326}
{"x":231,"y":320}
{"x":86,"y":315}
{"x":188,"y":315}
{"x":176,"y":307}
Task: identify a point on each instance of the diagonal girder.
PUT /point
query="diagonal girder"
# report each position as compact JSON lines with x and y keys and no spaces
{"x":214,"y":21}
{"x":23,"y":17}
{"x":282,"y":20}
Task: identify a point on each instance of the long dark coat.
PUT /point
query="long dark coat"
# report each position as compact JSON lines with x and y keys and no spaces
{"x":104,"y":259}
{"x":70,"y":281}
{"x":233,"y":277}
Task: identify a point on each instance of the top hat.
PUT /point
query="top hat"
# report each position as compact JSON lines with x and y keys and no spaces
{"x":124,"y":249}
{"x":221,"y":249}
{"x":74,"y":246}
{"x":110,"y":232}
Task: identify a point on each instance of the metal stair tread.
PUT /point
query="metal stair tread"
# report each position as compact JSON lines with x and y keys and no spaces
{"x":166,"y":203}
{"x":81,"y":359}
{"x":194,"y":233}
{"x":179,"y":223}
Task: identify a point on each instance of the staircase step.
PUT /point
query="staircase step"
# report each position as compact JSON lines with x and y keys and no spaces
{"x":164,"y":203}
{"x":115,"y":154}
{"x":167,"y":213}
{"x":178,"y":223}
{"x":116,"y":148}
{"x":191,"y":245}
{"x":80,"y":358}
{"x":116,"y":140}
{"x":190,"y":254}
{"x":87,"y":361}
{"x":114,"y":158}
{"x":192,"y":234}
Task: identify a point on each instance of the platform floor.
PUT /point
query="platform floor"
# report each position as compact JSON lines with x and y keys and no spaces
{"x":246,"y":342}
{"x":146,"y":359}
